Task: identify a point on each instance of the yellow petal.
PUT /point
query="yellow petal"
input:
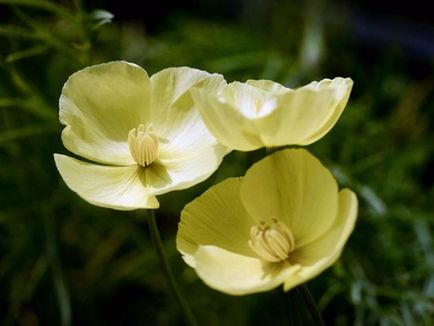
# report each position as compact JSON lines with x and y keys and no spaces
{"x":178,"y":170}
{"x":293,"y":186}
{"x":268,"y":86}
{"x":99,"y":106}
{"x":318,"y":255}
{"x":343,"y":88}
{"x":251,"y":102}
{"x":225,"y":122}
{"x":117,"y":187}
{"x":298,"y":115}
{"x":174,"y":117}
{"x":258,"y":113}
{"x":216,"y":218}
{"x":236,"y":274}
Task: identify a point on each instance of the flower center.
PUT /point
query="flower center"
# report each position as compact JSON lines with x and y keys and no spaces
{"x":272,"y":242}
{"x":143,"y":144}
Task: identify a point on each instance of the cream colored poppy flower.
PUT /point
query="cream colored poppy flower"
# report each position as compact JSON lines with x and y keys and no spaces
{"x":262,"y":113}
{"x":284,"y":222}
{"x":140,"y":136}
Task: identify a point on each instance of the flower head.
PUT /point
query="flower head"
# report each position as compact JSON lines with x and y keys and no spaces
{"x":140,"y":136}
{"x":262,"y":113}
{"x":284,"y":222}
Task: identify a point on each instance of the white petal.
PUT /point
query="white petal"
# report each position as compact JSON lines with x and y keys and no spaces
{"x":117,"y":187}
{"x":236,"y":274}
{"x":99,"y":106}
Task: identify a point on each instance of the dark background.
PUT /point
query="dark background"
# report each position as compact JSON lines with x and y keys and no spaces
{"x":63,"y":261}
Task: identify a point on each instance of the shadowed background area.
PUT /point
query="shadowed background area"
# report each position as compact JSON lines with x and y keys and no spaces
{"x":65,"y":262}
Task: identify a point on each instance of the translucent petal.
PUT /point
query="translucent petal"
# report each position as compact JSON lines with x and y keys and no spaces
{"x":174,"y":116}
{"x":117,"y":187}
{"x":247,"y":116}
{"x":318,"y":255}
{"x":297,"y":116}
{"x":236,"y":274}
{"x":251,"y":102}
{"x":226,"y":123}
{"x":215,"y":218}
{"x":293,"y":186}
{"x":268,"y":85}
{"x":99,"y":106}
{"x":343,"y":88}
{"x":179,"y":170}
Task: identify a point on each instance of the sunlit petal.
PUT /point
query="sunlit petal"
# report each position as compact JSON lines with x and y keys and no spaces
{"x":216,"y":218}
{"x":99,"y":106}
{"x":237,"y":274}
{"x":117,"y":187}
{"x":263,"y":113}
{"x":173,"y":114}
{"x":293,"y":186}
{"x":225,"y":122}
{"x":324,"y":251}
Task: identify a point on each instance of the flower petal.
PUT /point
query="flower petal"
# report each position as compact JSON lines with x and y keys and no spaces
{"x":250,"y":101}
{"x":236,"y":274}
{"x":117,"y":187}
{"x":185,"y":169}
{"x":343,"y":88}
{"x":174,"y":117}
{"x":99,"y":106}
{"x":268,"y":86}
{"x":226,"y":123}
{"x":293,"y":186}
{"x":179,"y":170}
{"x":306,"y":114}
{"x":216,"y":218}
{"x":318,"y":255}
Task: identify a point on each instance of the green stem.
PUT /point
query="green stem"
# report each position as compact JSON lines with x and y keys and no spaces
{"x":156,"y":239}
{"x":304,"y":293}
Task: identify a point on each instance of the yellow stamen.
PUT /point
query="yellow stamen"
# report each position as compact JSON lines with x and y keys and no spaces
{"x":143,"y":144}
{"x":272,"y":242}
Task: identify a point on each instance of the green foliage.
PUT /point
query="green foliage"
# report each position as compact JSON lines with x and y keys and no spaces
{"x":63,"y":261}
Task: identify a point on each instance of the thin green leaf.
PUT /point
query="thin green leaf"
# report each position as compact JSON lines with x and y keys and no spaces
{"x":27,"y":131}
{"x":40,"y":4}
{"x":33,"y":51}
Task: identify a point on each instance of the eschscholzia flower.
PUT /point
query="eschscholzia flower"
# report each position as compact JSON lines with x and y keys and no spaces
{"x":139,"y":136}
{"x":284,"y":222}
{"x":263,"y":113}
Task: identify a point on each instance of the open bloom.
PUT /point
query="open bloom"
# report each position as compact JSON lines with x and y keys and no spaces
{"x":139,"y":136}
{"x":284,"y":222}
{"x":262,"y":113}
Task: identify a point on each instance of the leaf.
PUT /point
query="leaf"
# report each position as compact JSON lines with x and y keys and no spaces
{"x":33,"y":51}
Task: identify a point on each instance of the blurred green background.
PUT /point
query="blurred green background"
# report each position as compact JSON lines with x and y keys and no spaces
{"x":65,"y":262}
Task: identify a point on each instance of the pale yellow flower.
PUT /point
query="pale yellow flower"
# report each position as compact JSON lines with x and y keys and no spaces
{"x":284,"y":222}
{"x":262,"y":113}
{"x":140,"y":136}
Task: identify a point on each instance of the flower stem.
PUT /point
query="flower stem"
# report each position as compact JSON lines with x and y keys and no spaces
{"x":156,"y":239}
{"x":304,"y":293}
